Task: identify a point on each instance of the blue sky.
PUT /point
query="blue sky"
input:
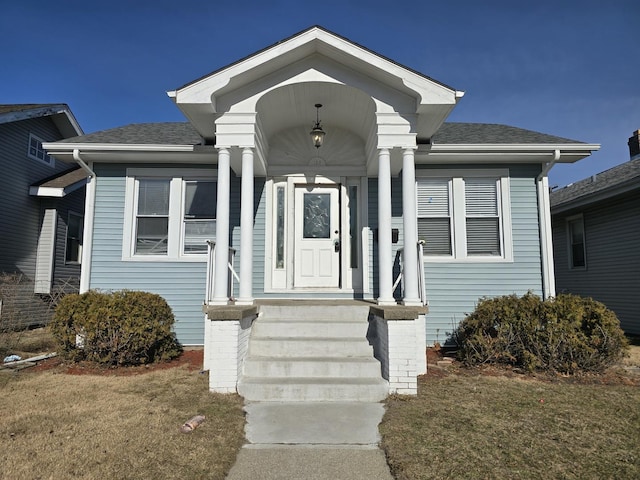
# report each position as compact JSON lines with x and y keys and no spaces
{"x":566,"y":67}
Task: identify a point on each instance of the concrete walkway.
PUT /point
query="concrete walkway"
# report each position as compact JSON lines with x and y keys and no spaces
{"x":312,"y":441}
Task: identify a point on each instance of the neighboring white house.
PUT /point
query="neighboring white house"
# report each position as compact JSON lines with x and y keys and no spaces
{"x":333,"y":222}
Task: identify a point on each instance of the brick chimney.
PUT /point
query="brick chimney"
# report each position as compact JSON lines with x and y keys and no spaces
{"x":634,"y":145}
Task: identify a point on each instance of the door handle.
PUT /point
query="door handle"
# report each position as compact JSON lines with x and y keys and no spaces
{"x":336,"y":245}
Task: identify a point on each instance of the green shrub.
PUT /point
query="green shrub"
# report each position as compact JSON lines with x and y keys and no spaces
{"x":119,"y":328}
{"x":566,"y":334}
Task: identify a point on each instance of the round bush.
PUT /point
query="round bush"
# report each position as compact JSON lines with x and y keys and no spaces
{"x":119,"y":328}
{"x":566,"y":334}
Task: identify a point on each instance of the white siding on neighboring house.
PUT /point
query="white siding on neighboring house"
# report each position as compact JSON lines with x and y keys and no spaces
{"x":45,"y":256}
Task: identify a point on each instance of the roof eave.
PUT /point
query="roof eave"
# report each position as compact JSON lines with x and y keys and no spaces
{"x":69,"y":126}
{"x":521,"y":153}
{"x":119,"y":153}
{"x":56,"y":192}
{"x":57,"y":147}
{"x":601,"y":195}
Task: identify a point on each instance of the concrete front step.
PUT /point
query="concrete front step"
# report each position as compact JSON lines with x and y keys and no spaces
{"x":310,"y":423}
{"x":305,"y":328}
{"x":313,"y":389}
{"x":316,"y":312}
{"x":270,"y":367}
{"x":309,"y":347}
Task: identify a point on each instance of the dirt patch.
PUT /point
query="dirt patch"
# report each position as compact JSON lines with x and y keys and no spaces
{"x":191,"y":359}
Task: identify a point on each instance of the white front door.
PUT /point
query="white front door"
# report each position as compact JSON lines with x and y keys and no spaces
{"x":317,"y":236}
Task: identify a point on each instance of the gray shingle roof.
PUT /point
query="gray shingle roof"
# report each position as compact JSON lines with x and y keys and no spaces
{"x":170,"y":133}
{"x":64,"y":179}
{"x":624,"y":174}
{"x":490,"y":133}
{"x":182,"y":133}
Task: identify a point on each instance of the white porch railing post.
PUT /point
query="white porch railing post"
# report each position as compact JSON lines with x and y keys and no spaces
{"x":421,"y":280}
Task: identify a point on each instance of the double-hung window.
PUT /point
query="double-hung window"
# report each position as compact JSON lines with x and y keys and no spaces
{"x":435,"y":215}
{"x":170,"y":214}
{"x":482,"y":216}
{"x":199,"y":215}
{"x":464,"y":215}
{"x":152,"y":217}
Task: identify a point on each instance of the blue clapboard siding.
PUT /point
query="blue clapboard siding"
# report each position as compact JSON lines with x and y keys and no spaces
{"x":182,"y":284}
{"x":396,"y":223}
{"x":453,"y":289}
{"x":259,"y":209}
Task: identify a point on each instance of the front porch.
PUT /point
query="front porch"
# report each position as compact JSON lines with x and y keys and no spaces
{"x":321,"y":349}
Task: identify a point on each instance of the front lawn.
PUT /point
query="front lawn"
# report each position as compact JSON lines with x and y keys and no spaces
{"x":57,"y":425}
{"x":479,"y":424}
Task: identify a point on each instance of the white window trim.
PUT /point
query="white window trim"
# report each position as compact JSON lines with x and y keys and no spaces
{"x":458,"y":233}
{"x":568,"y":221}
{"x":51,"y":163}
{"x":176,"y":210}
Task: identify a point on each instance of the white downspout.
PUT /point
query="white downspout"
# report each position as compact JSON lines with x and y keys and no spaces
{"x":546,"y":238}
{"x":89,"y":210}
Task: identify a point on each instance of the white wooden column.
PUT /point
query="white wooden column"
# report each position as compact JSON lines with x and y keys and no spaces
{"x":221,"y":278}
{"x":410,"y":227}
{"x":385,"y":260}
{"x":245,"y":295}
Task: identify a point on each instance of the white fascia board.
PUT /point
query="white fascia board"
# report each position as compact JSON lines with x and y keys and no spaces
{"x":114,"y":147}
{"x":56,"y":192}
{"x":512,"y":147}
{"x":569,"y":153}
{"x":325,"y":43}
{"x":73,"y":122}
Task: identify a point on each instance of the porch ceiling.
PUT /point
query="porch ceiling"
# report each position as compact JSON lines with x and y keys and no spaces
{"x":293,"y":106}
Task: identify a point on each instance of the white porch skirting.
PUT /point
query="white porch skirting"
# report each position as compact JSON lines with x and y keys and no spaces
{"x":226,"y":346}
{"x":399,"y":342}
{"x":396,"y":333}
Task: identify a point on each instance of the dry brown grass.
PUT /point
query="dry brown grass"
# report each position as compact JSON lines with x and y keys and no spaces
{"x":464,"y":425}
{"x":55,"y":425}
{"x":26,"y":343}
